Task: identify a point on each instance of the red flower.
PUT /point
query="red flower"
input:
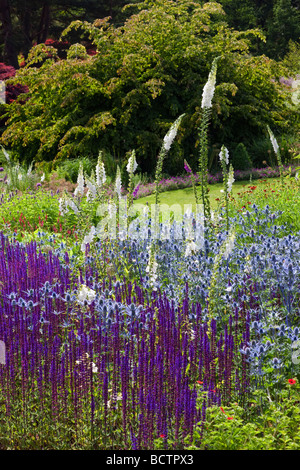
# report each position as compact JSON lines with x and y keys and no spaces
{"x":229,"y":417}
{"x":199,"y":382}
{"x":292,"y":381}
{"x":222,"y":409}
{"x":162,"y":435}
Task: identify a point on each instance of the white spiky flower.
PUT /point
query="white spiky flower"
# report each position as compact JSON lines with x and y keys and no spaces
{"x":118,"y":183}
{"x":20,"y":176}
{"x":229,"y":245}
{"x":100,"y":171}
{"x":63,"y":208}
{"x":29,"y":169}
{"x":230,"y":179}
{"x":273,"y":141}
{"x":88,"y":238}
{"x":86,"y":294}
{"x":171,"y":134}
{"x":79,"y":190}
{"x":224,"y":154}
{"x":191,"y":248}
{"x":42,"y":177}
{"x":111,"y":209}
{"x":151,"y":268}
{"x":92,"y":191}
{"x":64,"y":203}
{"x":71,"y":203}
{"x":132,"y":164}
{"x":209,"y":87}
{"x":6,"y":154}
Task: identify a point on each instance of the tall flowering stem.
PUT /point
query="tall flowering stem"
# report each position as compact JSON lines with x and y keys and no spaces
{"x":213,"y":295}
{"x":131,"y":167}
{"x":152,"y":266}
{"x":168,"y":139}
{"x":228,"y":178}
{"x":277,"y":153}
{"x":207,"y":96}
{"x":118,"y":191}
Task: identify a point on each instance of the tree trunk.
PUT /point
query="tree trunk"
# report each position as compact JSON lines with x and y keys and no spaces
{"x":44,"y":23}
{"x":26,"y":23}
{"x":10,"y":54}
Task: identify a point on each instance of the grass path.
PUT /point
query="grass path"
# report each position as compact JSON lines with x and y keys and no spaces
{"x":186,"y":196}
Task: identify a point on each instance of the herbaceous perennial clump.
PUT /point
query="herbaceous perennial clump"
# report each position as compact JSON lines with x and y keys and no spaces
{"x":110,"y":362}
{"x":127,"y":339}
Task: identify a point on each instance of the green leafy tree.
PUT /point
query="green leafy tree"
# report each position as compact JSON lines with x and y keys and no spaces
{"x":279,"y":20}
{"x":143,"y":76}
{"x":26,"y":23}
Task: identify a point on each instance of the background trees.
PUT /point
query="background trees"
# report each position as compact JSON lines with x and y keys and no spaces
{"x":26,"y":22}
{"x":144,"y":75}
{"x":29,"y":22}
{"x":278,"y":19}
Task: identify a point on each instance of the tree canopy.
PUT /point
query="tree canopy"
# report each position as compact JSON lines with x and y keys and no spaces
{"x":143,"y":76}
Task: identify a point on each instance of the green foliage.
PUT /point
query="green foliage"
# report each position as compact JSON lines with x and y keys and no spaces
{"x":29,"y":211}
{"x":282,"y":198}
{"x":69,"y":168}
{"x":292,"y":58}
{"x":273,"y":426}
{"x":260,"y":153}
{"x":17,"y":177}
{"x":77,"y":51}
{"x":143,"y":76}
{"x":240,"y":158}
{"x":271,"y":17}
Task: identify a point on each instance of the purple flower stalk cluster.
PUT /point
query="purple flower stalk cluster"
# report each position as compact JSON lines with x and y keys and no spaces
{"x":75,"y":358}
{"x":90,"y":351}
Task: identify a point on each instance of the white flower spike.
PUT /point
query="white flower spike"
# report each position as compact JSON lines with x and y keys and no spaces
{"x":132,"y":164}
{"x":170,"y":136}
{"x":79,"y":190}
{"x":273,"y":141}
{"x":209,"y":87}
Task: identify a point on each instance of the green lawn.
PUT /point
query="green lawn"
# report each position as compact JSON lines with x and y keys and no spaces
{"x":186,"y":196}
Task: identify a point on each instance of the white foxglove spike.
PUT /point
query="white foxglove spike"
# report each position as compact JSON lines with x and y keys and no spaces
{"x":209,"y":87}
{"x":5,"y":154}
{"x":224,"y":154}
{"x":79,"y":190}
{"x":92,"y":191}
{"x":229,"y":245}
{"x":132,"y":164}
{"x":170,"y":136}
{"x":86,"y":294}
{"x":100,"y":171}
{"x":118,"y":183}
{"x":273,"y":141}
